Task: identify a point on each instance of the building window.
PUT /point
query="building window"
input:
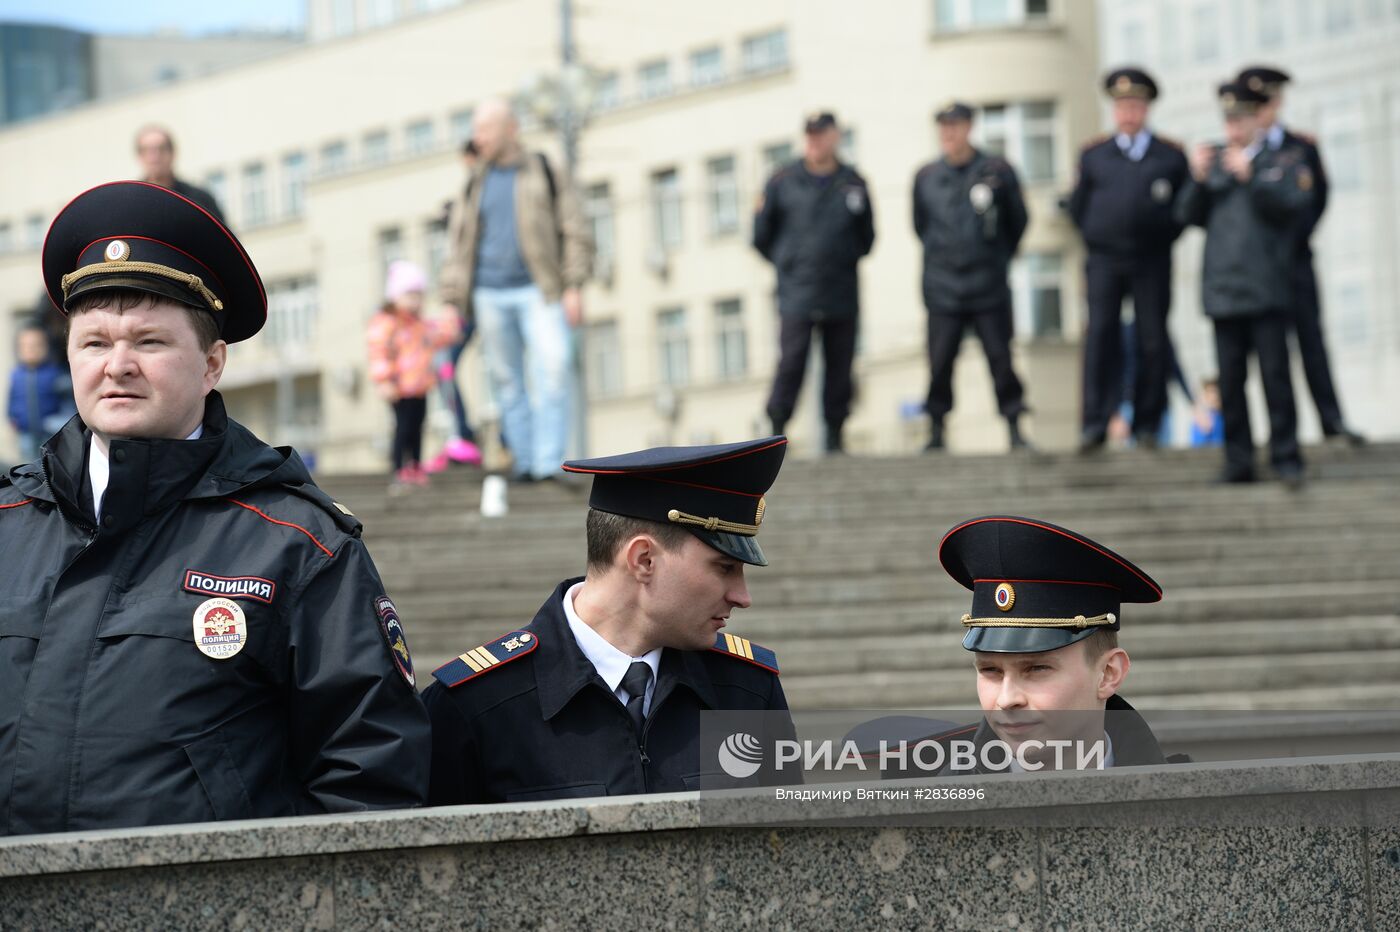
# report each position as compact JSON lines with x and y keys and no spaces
{"x":607,"y":93}
{"x":731,"y":340}
{"x":666,"y":209}
{"x":1344,"y":169}
{"x":294,"y":184}
{"x":1134,"y":44}
{"x":390,"y":251}
{"x":1339,"y":16}
{"x":216,"y":183}
{"x":335,"y":158}
{"x":1023,"y":134}
{"x":723,"y":195}
{"x":435,"y":235}
{"x":598,"y":208}
{"x":34,"y":231}
{"x":602,"y":350}
{"x":1038,"y":280}
{"x":766,"y":52}
{"x":418,"y":137}
{"x":376,"y":148}
{"x":846,"y":151}
{"x":1205,"y":32}
{"x":342,"y":17}
{"x":254,"y":195}
{"x":706,"y":67}
{"x":654,"y":80}
{"x":673,"y":347}
{"x":7,"y":237}
{"x":292,"y":307}
{"x":1269,"y":15}
{"x":461,"y":126}
{"x":775,"y":157}
{"x":962,"y":15}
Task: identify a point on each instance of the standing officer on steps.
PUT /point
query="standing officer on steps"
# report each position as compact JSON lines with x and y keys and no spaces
{"x":969,"y":215}
{"x":1307,"y":308}
{"x":601,"y":694}
{"x":814,"y":223}
{"x":190,"y":629}
{"x":1122,"y":204}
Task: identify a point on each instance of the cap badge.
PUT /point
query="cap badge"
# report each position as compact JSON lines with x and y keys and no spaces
{"x":1255,"y":83}
{"x":1006,"y":597}
{"x":220,"y":628}
{"x":118,"y":250}
{"x":1123,"y":84}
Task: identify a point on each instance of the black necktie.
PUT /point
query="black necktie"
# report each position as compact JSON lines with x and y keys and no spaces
{"x":635,"y":681}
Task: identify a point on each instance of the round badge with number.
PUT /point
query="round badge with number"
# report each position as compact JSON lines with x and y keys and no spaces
{"x":220,"y":628}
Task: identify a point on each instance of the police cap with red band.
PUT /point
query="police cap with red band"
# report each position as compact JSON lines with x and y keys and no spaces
{"x":1037,"y":587}
{"x":714,"y":492}
{"x":143,"y":237}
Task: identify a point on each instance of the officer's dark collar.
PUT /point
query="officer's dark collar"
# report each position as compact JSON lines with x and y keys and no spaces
{"x":562,"y":671}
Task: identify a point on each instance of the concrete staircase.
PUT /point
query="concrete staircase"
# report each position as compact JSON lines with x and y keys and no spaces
{"x":1273,"y":599}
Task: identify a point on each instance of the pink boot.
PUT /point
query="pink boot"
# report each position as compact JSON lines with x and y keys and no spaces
{"x":463,"y":451}
{"x":436,"y":464}
{"x":417,"y":475}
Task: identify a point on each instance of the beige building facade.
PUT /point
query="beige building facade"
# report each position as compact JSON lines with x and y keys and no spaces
{"x":334,"y":159}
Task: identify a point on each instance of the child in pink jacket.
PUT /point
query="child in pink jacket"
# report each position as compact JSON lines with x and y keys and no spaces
{"x":401,"y":346}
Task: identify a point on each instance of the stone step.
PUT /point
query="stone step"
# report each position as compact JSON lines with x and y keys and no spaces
{"x":1193,"y":676}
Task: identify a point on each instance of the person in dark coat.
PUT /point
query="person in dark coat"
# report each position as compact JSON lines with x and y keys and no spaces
{"x":601,"y":694}
{"x":814,"y":222}
{"x":155,"y":150}
{"x":1122,"y":204}
{"x":1043,"y":628}
{"x":190,"y":629}
{"x":1307,"y":305}
{"x":970,"y":217}
{"x":41,"y":393}
{"x":1248,"y":197}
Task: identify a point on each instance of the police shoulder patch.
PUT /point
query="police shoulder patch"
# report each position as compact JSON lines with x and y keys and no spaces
{"x":392,"y":629}
{"x":488,"y":656}
{"x":734,"y":646}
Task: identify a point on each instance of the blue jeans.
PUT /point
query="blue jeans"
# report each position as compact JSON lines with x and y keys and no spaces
{"x":528,"y":348}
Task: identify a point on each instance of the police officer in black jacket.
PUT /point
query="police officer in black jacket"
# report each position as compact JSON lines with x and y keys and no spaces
{"x":1122,"y":204}
{"x":970,"y":216}
{"x":190,"y":629}
{"x":1248,"y":197}
{"x":814,"y":223}
{"x":155,"y":149}
{"x":1307,"y":307}
{"x":601,"y":694}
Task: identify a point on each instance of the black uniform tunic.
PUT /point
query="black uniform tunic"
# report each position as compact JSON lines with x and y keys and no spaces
{"x":544,"y":725}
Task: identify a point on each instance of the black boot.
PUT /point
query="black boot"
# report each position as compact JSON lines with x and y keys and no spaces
{"x":1018,"y":441}
{"x":935,"y":435}
{"x":834,"y":443}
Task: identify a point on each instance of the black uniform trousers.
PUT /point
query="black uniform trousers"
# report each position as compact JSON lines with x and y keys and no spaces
{"x":945,"y":332}
{"x":1307,"y":325}
{"x":1266,"y":335}
{"x":838,"y":353}
{"x":1108,"y":280}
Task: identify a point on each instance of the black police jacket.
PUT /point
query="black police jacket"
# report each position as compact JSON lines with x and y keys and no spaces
{"x":1250,"y":247}
{"x":814,"y":230}
{"x":112,"y":715}
{"x":1124,"y":208}
{"x":1134,"y":745}
{"x":200,"y":196}
{"x":970,"y":219}
{"x":1307,"y":220}
{"x":542,"y":724}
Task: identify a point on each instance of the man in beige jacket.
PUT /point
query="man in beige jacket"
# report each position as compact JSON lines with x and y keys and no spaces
{"x":518,"y":254}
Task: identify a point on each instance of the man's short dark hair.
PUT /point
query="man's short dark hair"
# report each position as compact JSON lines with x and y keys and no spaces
{"x":206,"y":328}
{"x":607,"y":533}
{"x":1100,"y":642}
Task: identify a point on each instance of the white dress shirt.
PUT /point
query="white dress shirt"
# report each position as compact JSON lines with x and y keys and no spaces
{"x":1274,"y":135}
{"x":1135,"y":146}
{"x":99,"y":470}
{"x":610,"y":662}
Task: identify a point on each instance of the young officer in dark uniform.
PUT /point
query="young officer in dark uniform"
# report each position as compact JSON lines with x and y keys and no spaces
{"x":189,"y":628}
{"x":1247,"y":196}
{"x":969,"y":215}
{"x":814,"y":223}
{"x":1307,"y":307}
{"x":601,"y":694}
{"x":1046,"y":611}
{"x":1122,"y":204}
